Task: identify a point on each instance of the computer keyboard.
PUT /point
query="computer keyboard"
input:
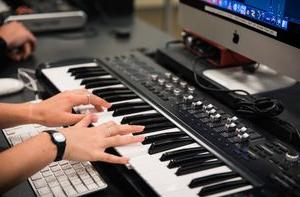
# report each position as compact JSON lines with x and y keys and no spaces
{"x":63,"y":178}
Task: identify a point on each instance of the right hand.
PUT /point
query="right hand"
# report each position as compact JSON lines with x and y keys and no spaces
{"x":89,"y":144}
{"x":20,"y":41}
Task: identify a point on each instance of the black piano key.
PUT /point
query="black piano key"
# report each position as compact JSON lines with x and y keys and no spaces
{"x":103,"y":90}
{"x":163,"y":136}
{"x":201,"y":181}
{"x":157,"y":127}
{"x":187,"y":169}
{"x":222,"y":187}
{"x":121,"y":97}
{"x":130,"y":110}
{"x":161,"y":146}
{"x":186,"y":160}
{"x":149,"y":121}
{"x":183,"y":152}
{"x":98,"y":80}
{"x":126,"y":104}
{"x":82,"y":69}
{"x":101,"y":84}
{"x":128,"y":119}
{"x":98,"y":69}
{"x":90,"y":74}
{"x":112,"y":93}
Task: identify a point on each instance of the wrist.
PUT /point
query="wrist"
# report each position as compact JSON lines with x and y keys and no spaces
{"x":67,"y":148}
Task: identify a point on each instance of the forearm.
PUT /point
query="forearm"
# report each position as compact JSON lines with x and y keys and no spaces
{"x":17,"y":114}
{"x":23,"y":160}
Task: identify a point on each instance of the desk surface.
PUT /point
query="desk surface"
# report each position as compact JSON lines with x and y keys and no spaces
{"x":96,"y":40}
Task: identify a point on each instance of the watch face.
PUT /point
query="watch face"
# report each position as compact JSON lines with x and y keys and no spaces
{"x":59,"y":137}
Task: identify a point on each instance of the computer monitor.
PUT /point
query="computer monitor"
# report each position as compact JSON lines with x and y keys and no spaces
{"x":266,"y":31}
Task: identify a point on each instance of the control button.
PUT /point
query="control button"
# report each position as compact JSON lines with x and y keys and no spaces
{"x":232,"y":119}
{"x":197,"y":105}
{"x":154,"y":77}
{"x":212,"y":111}
{"x":191,"y":89}
{"x":243,"y":137}
{"x":188,"y":98}
{"x":175,"y":79}
{"x":177,"y":91}
{"x":161,"y":81}
{"x":231,"y":127}
{"x":189,"y":41}
{"x":183,"y":84}
{"x":169,"y":86}
{"x":241,"y":130}
{"x":208,"y":107}
{"x":292,"y":156}
{"x":168,"y":75}
{"x":216,"y":117}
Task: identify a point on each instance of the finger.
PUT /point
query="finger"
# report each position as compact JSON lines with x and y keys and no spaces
{"x":105,"y":127}
{"x":94,"y":100}
{"x":26,"y":50}
{"x":71,"y":119}
{"x":122,"y":140}
{"x":125,"y":129}
{"x":87,"y":120}
{"x":112,"y":158}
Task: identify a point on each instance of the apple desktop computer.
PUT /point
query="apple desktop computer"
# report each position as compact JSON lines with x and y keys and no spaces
{"x":266,"y":31}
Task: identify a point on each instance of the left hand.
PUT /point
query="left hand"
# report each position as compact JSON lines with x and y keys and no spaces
{"x":57,"y":110}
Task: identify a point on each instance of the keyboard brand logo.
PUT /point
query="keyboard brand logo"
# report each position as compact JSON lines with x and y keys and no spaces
{"x":236,"y":37}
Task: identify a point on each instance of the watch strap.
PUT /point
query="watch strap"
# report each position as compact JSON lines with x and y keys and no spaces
{"x":61,"y":146}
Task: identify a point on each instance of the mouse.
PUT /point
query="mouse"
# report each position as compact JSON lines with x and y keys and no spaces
{"x":10,"y":86}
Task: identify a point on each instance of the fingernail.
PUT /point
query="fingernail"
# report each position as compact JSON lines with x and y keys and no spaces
{"x":94,"y":118}
{"x":141,"y":138}
{"x":109,"y":105}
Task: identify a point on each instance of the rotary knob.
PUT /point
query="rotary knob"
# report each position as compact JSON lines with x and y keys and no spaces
{"x":231,"y":127}
{"x":242,"y":138}
{"x":241,"y":130}
{"x":175,"y":79}
{"x":188,"y":98}
{"x":168,"y":75}
{"x":177,"y":91}
{"x":191,"y":89}
{"x":183,"y":84}
{"x":212,"y":111}
{"x":292,"y":156}
{"x":208,"y":107}
{"x":161,"y":81}
{"x":169,"y":86}
{"x":154,"y":77}
{"x":189,"y":41}
{"x":232,"y":119}
{"x":215,"y":117}
{"x":197,"y":105}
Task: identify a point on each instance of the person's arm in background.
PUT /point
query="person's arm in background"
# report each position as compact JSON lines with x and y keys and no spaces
{"x":55,"y":111}
{"x":18,"y":41}
{"x":82,"y":144}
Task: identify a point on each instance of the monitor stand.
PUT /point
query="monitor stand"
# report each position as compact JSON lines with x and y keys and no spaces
{"x":264,"y":79}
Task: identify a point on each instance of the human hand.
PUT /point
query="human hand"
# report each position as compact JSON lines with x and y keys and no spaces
{"x":20,"y":41}
{"x":89,"y":144}
{"x":57,"y":110}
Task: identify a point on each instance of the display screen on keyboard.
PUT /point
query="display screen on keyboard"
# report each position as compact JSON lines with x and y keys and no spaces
{"x":63,"y":178}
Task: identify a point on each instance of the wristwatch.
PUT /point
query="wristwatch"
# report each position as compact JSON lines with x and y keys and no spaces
{"x":60,"y":141}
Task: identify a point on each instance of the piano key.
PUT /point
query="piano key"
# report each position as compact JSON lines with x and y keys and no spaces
{"x":153,"y":138}
{"x":126,"y":104}
{"x":157,"y":127}
{"x":198,"y":182}
{"x":120,"y":97}
{"x":161,"y":146}
{"x":149,"y":121}
{"x":218,"y":188}
{"x":90,"y":74}
{"x":184,"y":152}
{"x":186,"y":169}
{"x":84,"y":68}
{"x":98,"y":82}
{"x":131,"y":110}
{"x":112,"y":93}
{"x":103,"y":90}
{"x":131,"y":118}
{"x":187,"y":160}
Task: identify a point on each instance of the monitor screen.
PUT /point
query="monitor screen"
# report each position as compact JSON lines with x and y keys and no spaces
{"x":269,"y":30}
